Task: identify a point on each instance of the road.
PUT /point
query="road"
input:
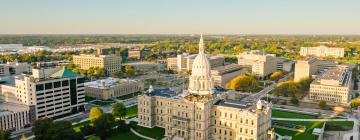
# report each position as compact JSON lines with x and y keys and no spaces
{"x":265,"y":91}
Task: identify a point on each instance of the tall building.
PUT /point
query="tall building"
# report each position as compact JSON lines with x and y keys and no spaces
{"x":185,"y":61}
{"x":307,"y":67}
{"x":201,"y":112}
{"x":322,"y":51}
{"x":261,"y":64}
{"x":54,"y":92}
{"x":14,"y":68}
{"x":112,"y":88}
{"x":111,"y":63}
{"x":333,"y":86}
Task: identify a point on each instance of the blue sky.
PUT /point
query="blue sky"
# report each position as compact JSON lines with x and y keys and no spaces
{"x":179,"y":16}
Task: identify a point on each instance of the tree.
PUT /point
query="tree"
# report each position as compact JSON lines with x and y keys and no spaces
{"x":46,"y":129}
{"x":4,"y":135}
{"x":355,"y":102}
{"x":287,"y":89}
{"x":95,"y":113}
{"x":244,"y":83}
{"x":294,"y":101}
{"x":62,"y":130}
{"x":129,"y":71}
{"x":304,"y":83}
{"x":322,"y":104}
{"x":23,"y":137}
{"x":276,"y":75}
{"x":41,"y":127}
{"x":103,"y":125}
{"x":118,"y":74}
{"x":119,"y":110}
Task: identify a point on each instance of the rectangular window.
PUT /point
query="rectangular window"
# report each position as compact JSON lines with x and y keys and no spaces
{"x":57,"y":84}
{"x":65,"y":83}
{"x":39,"y":87}
{"x":48,"y":86}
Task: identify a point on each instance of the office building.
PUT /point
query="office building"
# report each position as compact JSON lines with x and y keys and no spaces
{"x":202,"y":113}
{"x":223,"y":74}
{"x":112,"y":88}
{"x":261,"y":64}
{"x":111,"y":63}
{"x":322,"y":51}
{"x":283,"y":64}
{"x":310,"y":67}
{"x":333,"y":86}
{"x":14,"y":68}
{"x":55,"y":92}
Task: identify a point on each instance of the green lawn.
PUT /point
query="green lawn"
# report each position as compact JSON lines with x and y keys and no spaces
{"x":79,"y":125}
{"x":131,"y":111}
{"x":128,"y":96}
{"x":124,"y":135}
{"x":298,"y":135}
{"x":156,"y":132}
{"x":339,"y":125}
{"x":286,"y":114}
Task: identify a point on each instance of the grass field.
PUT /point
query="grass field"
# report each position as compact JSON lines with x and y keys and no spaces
{"x":298,"y":135}
{"x":285,"y":114}
{"x":131,"y":111}
{"x":124,"y":135}
{"x":156,"y":132}
{"x":79,"y":125}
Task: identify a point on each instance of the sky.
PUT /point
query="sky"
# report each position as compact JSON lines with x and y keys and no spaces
{"x":179,"y":16}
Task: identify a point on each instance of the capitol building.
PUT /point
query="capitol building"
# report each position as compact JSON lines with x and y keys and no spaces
{"x":201,"y":112}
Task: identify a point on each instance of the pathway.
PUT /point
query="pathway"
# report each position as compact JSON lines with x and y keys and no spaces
{"x":142,"y":136}
{"x":310,"y":120}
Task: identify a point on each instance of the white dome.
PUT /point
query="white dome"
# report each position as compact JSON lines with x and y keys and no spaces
{"x":200,"y":79}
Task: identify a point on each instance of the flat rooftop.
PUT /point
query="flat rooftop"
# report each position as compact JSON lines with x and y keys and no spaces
{"x":7,"y":108}
{"x":109,"y":82}
{"x":235,"y":104}
{"x":163,"y":93}
{"x":227,"y":68}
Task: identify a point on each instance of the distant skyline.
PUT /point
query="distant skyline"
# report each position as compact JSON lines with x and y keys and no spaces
{"x":180,"y":17}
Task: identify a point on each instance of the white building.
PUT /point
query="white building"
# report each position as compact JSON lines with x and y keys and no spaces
{"x":54,"y":92}
{"x":322,"y":51}
{"x":202,"y":113}
{"x":112,"y":88}
{"x":261,"y":64}
{"x":14,"y":68}
{"x":334,"y":86}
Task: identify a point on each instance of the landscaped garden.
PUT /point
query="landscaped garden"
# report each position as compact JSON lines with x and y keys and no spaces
{"x":128,"y":135}
{"x":156,"y":132}
{"x":286,"y":114}
{"x":307,"y":135}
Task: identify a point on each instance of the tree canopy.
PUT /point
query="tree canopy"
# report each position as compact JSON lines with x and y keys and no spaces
{"x":243,"y":82}
{"x":95,"y":113}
